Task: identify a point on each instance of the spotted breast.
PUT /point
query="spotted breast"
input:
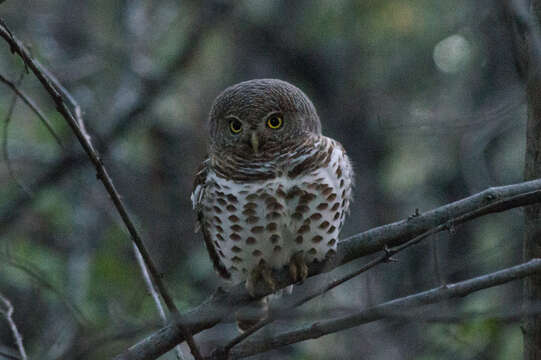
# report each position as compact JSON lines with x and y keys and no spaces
{"x":296,"y":205}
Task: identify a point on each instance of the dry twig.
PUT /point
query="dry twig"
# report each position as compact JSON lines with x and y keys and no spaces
{"x":7,"y":311}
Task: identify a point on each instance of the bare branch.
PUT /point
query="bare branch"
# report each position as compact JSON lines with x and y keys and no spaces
{"x":287,"y":303}
{"x":9,"y":356}
{"x":212,"y":14}
{"x":526,"y":15}
{"x":380,"y":311}
{"x":35,"y":109}
{"x":86,"y":347}
{"x":7,"y":311}
{"x":220,"y":305}
{"x":154,"y":294}
{"x":102,"y":174}
{"x":386,"y":256}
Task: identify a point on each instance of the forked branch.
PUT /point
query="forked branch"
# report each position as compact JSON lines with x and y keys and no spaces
{"x":221,"y":304}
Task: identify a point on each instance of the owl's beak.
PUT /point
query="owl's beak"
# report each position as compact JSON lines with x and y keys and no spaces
{"x":254,"y":140}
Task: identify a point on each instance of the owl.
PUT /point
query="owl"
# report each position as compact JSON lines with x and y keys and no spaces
{"x":273,"y":191}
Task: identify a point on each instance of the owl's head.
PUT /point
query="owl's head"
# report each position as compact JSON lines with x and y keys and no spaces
{"x":257,"y":117}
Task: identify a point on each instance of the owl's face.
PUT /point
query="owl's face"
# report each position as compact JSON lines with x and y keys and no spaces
{"x":256,"y":118}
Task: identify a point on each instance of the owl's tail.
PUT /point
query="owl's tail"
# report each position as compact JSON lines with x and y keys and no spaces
{"x":250,"y":315}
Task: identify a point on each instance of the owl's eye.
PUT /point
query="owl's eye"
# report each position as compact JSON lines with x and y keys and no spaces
{"x":235,"y":126}
{"x":275,"y":122}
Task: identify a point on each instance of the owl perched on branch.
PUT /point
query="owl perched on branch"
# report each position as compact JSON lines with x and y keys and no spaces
{"x":273,"y":191}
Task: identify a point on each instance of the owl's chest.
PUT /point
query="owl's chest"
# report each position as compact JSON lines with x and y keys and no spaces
{"x":274,"y":219}
{"x":253,"y":218}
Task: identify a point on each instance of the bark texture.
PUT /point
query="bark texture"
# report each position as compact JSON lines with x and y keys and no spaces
{"x":532,"y":240}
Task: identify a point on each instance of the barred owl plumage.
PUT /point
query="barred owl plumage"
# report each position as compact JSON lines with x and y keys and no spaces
{"x":273,"y":191}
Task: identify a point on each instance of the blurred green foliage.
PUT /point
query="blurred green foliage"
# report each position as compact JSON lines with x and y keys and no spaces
{"x":423,"y":95}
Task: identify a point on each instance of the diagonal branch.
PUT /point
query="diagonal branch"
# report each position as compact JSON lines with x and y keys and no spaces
{"x":221,"y":304}
{"x":7,"y":311}
{"x":386,"y":256}
{"x":288,"y":303}
{"x":381,"y":311}
{"x":94,"y":157}
{"x":212,"y":14}
{"x":155,"y":296}
{"x":102,"y":174}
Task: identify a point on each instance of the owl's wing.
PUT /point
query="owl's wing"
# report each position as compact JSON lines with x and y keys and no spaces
{"x":198,"y":195}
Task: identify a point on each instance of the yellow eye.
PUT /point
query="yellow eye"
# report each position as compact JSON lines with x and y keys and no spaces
{"x":235,"y":126}
{"x":275,"y":122}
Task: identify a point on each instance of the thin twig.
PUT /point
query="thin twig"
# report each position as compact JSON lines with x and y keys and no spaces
{"x":380,"y":311}
{"x":154,"y":294}
{"x":5,"y":147}
{"x":84,"y":139}
{"x":35,"y":109}
{"x":9,"y":356}
{"x":7,"y":312}
{"x":149,"y":284}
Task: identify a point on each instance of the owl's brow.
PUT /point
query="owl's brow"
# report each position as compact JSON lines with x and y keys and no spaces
{"x":273,"y":112}
{"x":232,"y":117}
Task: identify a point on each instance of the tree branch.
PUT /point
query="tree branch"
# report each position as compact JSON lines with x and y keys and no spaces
{"x":386,"y":256}
{"x":210,"y":16}
{"x":380,"y":311}
{"x":526,"y":31}
{"x":221,"y":304}
{"x":102,"y":174}
{"x":7,"y":310}
{"x":154,"y":294}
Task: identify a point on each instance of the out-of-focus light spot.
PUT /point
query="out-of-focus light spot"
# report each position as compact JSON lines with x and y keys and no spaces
{"x":452,"y":54}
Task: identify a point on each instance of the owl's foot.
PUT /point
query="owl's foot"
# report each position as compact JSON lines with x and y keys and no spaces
{"x":261,"y":272}
{"x":298,"y":270}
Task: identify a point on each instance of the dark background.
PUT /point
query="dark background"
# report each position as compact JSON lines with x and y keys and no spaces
{"x":424,"y":95}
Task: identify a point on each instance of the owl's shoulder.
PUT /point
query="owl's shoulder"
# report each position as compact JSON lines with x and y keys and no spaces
{"x":316,"y":152}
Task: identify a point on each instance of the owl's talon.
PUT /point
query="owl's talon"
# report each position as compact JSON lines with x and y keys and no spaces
{"x":266,"y":274}
{"x":250,"y":283}
{"x":292,"y":271}
{"x":298,"y":270}
{"x":261,"y":272}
